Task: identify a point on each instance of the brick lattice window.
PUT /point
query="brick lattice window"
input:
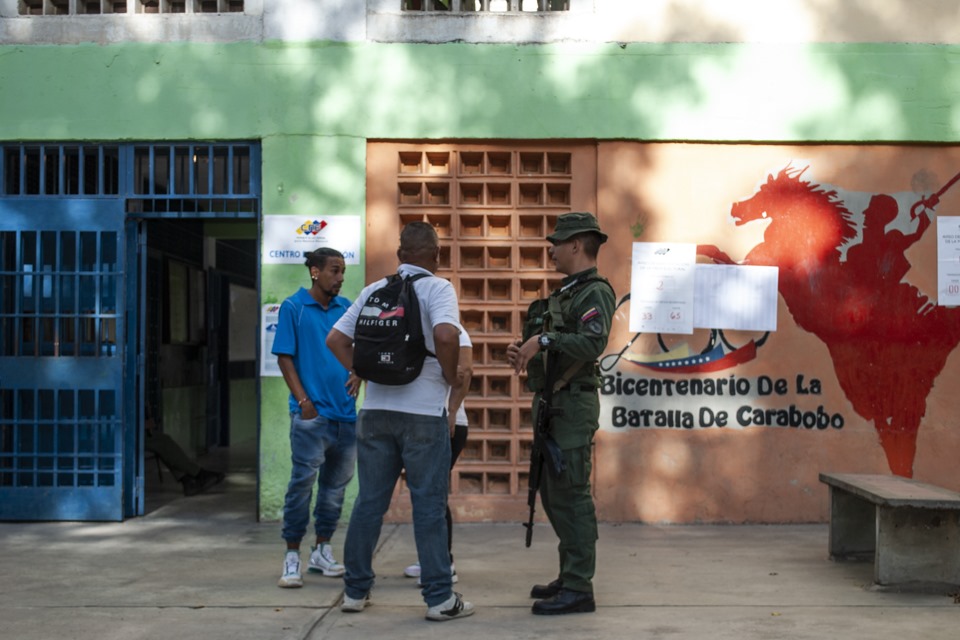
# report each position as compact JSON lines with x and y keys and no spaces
{"x":492,"y":206}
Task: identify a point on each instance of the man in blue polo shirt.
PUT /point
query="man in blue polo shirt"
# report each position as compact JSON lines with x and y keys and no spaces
{"x":323,"y":415}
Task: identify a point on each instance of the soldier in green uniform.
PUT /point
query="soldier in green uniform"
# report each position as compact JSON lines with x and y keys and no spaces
{"x":563,"y":336}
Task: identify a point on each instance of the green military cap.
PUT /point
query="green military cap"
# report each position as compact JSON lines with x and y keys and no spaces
{"x":570,"y":224}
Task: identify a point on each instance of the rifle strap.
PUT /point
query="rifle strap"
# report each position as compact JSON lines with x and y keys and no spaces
{"x":567,"y":375}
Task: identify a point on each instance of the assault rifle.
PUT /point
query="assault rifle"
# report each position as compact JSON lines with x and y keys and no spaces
{"x":545,"y":450}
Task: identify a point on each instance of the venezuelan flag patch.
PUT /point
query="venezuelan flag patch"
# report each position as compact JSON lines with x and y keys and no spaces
{"x":590,"y":314}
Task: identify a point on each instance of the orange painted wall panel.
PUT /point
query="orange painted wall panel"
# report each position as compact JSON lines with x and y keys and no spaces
{"x":861,"y":350}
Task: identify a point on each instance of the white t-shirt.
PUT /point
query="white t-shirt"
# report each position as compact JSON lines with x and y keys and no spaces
{"x":427,"y":395}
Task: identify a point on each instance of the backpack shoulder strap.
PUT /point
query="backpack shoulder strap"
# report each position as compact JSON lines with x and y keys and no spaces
{"x":408,"y":281}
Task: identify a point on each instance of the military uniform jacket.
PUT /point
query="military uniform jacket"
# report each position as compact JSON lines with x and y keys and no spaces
{"x":576,"y":317}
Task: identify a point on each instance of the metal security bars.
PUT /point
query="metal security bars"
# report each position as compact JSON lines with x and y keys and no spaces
{"x":159,"y":180}
{"x":59,"y":293}
{"x":59,"y":170}
{"x":196,"y":180}
{"x":64,"y":438}
{"x":490,"y":6}
{"x":61,"y":371}
{"x":96,"y":7}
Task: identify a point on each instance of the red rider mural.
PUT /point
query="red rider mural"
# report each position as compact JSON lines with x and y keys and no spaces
{"x":888,"y":342}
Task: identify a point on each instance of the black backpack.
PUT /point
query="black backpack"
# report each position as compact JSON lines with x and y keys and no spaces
{"x":388,"y":343}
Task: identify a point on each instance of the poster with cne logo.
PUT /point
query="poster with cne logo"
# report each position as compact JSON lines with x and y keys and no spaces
{"x":286,"y":239}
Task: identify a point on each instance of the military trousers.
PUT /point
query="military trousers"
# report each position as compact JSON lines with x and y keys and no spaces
{"x":568,"y":503}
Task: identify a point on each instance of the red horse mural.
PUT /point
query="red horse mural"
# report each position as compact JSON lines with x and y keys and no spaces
{"x":888,"y":341}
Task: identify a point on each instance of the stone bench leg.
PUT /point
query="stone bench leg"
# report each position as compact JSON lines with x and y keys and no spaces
{"x":917,"y":545}
{"x":853,"y":526}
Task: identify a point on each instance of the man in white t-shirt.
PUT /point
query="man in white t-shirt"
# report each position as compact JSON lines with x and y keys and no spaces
{"x":405,"y":427}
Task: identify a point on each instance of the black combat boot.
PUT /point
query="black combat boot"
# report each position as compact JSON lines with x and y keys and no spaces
{"x":565,"y":601}
{"x":540,"y":591}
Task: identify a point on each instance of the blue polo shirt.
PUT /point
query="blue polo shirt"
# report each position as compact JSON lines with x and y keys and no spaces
{"x":302,"y":329}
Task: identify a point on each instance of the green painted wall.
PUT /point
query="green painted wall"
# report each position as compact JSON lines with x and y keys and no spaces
{"x":315,"y":105}
{"x":731,"y":92}
{"x":312,"y":176}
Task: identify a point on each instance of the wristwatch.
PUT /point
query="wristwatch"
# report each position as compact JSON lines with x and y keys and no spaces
{"x":544,"y":342}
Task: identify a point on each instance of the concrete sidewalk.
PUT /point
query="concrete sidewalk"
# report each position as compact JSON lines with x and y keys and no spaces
{"x":201,"y":567}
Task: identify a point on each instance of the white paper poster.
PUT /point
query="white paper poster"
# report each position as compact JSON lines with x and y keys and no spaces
{"x":948,"y":261}
{"x":269,"y":315}
{"x":661,"y":287}
{"x":286,"y":239}
{"x":671,"y":293}
{"x":733,"y":296}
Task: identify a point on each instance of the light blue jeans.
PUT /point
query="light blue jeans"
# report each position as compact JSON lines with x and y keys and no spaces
{"x":324,"y":452}
{"x":387,"y":442}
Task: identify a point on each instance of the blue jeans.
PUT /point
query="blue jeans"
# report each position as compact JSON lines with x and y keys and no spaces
{"x":387,"y":442}
{"x":323,"y":452}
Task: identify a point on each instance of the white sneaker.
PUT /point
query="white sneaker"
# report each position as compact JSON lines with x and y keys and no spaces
{"x":413,"y":571}
{"x":322,"y":561}
{"x":291,"y":578}
{"x":453,"y":573}
{"x":354,"y":605}
{"x":453,"y":607}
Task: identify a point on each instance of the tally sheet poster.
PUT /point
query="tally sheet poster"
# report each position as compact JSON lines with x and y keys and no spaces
{"x":671,"y":293}
{"x":661,"y":287}
{"x":948,"y":261}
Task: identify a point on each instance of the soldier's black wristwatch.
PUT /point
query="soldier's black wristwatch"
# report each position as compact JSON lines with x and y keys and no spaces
{"x":544,"y":342}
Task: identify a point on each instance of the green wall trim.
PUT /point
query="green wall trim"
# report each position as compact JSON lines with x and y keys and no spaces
{"x":682,"y":91}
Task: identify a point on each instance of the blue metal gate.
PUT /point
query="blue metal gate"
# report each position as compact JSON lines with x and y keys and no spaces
{"x":72,"y":310}
{"x":61,"y":365}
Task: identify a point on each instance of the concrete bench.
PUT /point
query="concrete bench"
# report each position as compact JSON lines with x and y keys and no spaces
{"x":911,"y":530}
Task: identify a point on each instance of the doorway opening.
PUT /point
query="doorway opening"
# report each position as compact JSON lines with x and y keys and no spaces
{"x":200,"y":340}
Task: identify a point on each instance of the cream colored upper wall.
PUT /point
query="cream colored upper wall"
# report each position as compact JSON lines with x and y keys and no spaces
{"x":131,"y":27}
{"x":924,"y":21}
{"x":778,"y":21}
